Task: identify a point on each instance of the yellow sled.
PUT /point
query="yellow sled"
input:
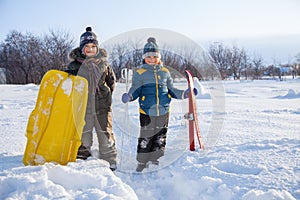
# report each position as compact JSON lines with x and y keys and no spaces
{"x":55,"y":125}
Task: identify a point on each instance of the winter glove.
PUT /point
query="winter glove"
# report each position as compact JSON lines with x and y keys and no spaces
{"x":71,"y":72}
{"x":126,"y":97}
{"x":187,"y":91}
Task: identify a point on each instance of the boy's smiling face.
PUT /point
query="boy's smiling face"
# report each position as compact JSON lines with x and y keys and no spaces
{"x":152,"y":60}
{"x":90,"y":49}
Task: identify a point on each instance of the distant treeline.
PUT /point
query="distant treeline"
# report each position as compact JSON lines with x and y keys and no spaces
{"x":26,"y":58}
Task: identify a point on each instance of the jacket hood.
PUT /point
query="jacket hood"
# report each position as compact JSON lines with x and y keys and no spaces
{"x":76,"y":54}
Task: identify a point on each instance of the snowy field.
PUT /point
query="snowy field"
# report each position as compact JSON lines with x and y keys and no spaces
{"x":256,"y":155}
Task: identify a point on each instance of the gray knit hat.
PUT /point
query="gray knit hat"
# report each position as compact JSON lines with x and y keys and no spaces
{"x":151,"y":48}
{"x":88,"y":37}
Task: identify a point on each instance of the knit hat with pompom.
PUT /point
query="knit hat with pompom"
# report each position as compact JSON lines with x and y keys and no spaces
{"x":151,"y":48}
{"x":88,"y":37}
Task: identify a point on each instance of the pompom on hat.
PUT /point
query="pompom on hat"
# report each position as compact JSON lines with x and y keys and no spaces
{"x":88,"y":37}
{"x":151,"y":48}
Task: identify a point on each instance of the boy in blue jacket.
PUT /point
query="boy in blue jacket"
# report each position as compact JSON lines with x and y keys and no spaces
{"x":152,"y":84}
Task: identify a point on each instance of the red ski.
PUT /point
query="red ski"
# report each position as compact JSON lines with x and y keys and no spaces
{"x":192,"y":114}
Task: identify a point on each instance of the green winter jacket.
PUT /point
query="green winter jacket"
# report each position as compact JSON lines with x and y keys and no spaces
{"x":153,"y":85}
{"x":100,"y":101}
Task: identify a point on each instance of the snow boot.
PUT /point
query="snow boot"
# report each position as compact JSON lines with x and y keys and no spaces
{"x":156,"y":162}
{"x":113,"y":167}
{"x":141,"y":167}
{"x":83,"y":153}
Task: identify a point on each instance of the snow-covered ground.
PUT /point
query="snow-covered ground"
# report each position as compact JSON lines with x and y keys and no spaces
{"x":255,"y":156}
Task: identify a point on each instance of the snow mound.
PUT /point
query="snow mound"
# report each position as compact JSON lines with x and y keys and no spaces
{"x":90,"y":179}
{"x":290,"y":95}
{"x":271,"y":194}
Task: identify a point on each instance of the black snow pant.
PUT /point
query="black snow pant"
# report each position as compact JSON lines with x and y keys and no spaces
{"x":152,"y":139}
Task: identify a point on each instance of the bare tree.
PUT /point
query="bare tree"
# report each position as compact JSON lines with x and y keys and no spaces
{"x":27,"y":57}
{"x":19,"y":56}
{"x":56,"y":46}
{"x":219,"y":55}
{"x":175,"y":63}
{"x":258,"y":67}
{"x":245,"y":65}
{"x":117,"y":58}
{"x":297,"y":65}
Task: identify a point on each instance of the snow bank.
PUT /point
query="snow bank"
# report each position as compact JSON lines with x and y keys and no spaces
{"x":291,"y":94}
{"x":91,"y":179}
{"x":270,"y":194}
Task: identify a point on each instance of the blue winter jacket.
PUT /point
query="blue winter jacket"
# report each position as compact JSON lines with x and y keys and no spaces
{"x":153,"y":85}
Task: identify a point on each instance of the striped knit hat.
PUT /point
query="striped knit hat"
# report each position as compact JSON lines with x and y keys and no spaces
{"x":151,"y":48}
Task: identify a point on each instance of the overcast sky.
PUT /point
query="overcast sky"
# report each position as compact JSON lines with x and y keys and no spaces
{"x":268,"y":27}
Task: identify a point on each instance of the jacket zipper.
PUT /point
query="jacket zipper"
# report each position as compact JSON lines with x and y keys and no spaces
{"x":156,"y":87}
